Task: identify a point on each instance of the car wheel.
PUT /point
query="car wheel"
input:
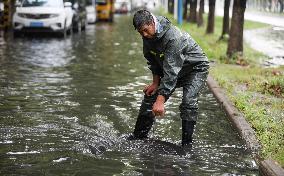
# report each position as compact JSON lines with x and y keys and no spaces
{"x":16,"y":34}
{"x":75,"y":25}
{"x":84,"y":26}
{"x":79,"y":26}
{"x":110,"y":17}
{"x":70,"y":31}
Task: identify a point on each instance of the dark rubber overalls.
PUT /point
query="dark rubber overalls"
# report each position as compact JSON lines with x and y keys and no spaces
{"x":180,"y":62}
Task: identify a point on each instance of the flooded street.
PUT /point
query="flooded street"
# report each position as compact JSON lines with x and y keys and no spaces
{"x":58,"y":97}
{"x":269,"y":41}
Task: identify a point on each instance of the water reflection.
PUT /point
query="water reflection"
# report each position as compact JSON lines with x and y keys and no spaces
{"x":60,"y":96}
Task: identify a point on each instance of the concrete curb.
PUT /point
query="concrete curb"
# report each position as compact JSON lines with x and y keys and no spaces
{"x":270,"y":168}
{"x":267,"y":167}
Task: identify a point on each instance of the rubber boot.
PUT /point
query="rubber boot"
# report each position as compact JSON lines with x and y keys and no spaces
{"x":143,"y":126}
{"x":144,"y":122}
{"x":145,"y":118}
{"x":187,"y":131}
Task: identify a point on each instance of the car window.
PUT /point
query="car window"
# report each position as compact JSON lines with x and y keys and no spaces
{"x":42,"y":3}
{"x":101,"y":2}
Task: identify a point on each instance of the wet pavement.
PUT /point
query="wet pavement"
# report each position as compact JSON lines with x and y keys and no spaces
{"x":274,"y":19}
{"x":269,"y":41}
{"x":66,"y":106}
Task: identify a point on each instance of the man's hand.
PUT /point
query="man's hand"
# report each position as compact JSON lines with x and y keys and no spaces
{"x":150,"y":89}
{"x":158,"y":107}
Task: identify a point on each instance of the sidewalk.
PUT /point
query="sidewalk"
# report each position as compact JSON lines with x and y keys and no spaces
{"x":272,"y":19}
{"x":268,"y":18}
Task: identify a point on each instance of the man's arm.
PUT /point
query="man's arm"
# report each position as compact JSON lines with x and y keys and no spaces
{"x":172,"y":64}
{"x":152,"y":64}
{"x":156,"y":80}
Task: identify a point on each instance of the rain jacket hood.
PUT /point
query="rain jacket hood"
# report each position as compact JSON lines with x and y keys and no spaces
{"x":162,"y":26}
{"x":173,"y":55}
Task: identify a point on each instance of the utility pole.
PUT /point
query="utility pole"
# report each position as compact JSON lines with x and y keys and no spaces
{"x":176,"y":9}
{"x":6,"y":16}
{"x":180,"y":2}
{"x":8,"y":13}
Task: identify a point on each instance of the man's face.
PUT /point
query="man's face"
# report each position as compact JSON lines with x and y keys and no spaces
{"x":147,"y":31}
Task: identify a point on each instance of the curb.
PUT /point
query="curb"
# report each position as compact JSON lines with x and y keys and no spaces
{"x":266,"y":167}
{"x":270,"y":168}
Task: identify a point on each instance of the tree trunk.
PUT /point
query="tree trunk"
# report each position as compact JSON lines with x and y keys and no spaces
{"x":237,"y":25}
{"x":200,"y":13}
{"x":211,"y":17}
{"x":226,"y":18}
{"x":202,"y":5}
{"x":281,"y":2}
{"x":270,"y":5}
{"x":185,"y":9}
{"x":192,"y":11}
{"x":171,"y":6}
{"x":263,"y":2}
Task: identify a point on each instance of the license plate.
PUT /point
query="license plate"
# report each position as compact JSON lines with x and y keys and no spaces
{"x":36,"y":24}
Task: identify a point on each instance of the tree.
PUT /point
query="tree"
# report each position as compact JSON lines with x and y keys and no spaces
{"x":192,"y":11}
{"x":211,"y":17}
{"x":200,"y":13}
{"x":281,"y":3}
{"x":185,"y":9}
{"x":171,"y":6}
{"x":226,"y":19}
{"x":235,"y":44}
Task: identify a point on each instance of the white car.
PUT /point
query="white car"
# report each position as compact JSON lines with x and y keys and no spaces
{"x":1,"y":6}
{"x":91,"y":14}
{"x":43,"y":16}
{"x":122,"y":6}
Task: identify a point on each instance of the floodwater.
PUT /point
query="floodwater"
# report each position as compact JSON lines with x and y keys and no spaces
{"x":66,"y":106}
{"x":269,"y":41}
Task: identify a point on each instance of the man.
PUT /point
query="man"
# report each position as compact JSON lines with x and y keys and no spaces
{"x":175,"y":60}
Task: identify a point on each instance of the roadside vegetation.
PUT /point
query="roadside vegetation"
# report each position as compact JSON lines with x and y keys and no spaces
{"x":256,"y":91}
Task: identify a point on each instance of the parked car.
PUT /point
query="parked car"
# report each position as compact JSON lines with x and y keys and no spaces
{"x":1,"y":12}
{"x":91,"y":11}
{"x":122,"y":6}
{"x":151,"y":4}
{"x":1,"y":7}
{"x":43,"y":16}
{"x":79,"y":21}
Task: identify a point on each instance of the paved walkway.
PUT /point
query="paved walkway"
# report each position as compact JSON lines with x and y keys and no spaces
{"x":268,"y":18}
{"x":272,"y":19}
